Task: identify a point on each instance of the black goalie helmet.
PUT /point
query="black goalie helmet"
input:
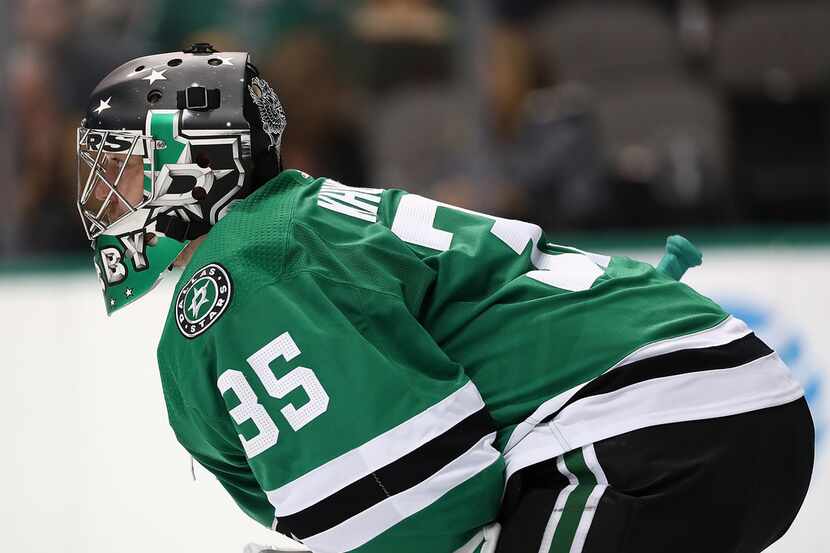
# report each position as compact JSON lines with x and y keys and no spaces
{"x":169,"y":144}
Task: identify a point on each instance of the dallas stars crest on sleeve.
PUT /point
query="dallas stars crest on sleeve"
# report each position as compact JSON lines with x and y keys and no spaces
{"x":203,"y":300}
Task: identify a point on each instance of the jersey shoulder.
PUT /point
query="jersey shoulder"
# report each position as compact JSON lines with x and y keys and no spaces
{"x":243,"y":252}
{"x":293,"y":223}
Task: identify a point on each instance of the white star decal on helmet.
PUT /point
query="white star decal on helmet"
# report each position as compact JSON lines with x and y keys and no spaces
{"x":105,"y":104}
{"x":155,"y":76}
{"x":226,"y":61}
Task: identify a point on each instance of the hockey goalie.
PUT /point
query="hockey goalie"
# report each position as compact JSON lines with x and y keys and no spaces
{"x":373,"y":371}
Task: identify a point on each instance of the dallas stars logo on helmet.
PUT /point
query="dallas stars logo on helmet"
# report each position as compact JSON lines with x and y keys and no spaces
{"x":203,"y":299}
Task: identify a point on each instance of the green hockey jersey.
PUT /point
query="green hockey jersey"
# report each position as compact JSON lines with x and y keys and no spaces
{"x":357,"y":365}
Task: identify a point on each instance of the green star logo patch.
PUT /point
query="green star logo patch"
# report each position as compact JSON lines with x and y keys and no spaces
{"x":203,"y":300}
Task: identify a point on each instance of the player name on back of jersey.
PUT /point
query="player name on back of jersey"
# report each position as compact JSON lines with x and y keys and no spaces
{"x":360,"y":203}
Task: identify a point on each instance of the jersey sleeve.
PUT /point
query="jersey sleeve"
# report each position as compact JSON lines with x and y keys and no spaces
{"x":361,"y":434}
{"x":208,"y":444}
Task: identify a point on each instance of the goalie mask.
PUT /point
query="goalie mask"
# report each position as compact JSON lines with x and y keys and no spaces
{"x":169,"y":144}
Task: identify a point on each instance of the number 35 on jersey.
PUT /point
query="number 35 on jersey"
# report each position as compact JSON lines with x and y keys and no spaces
{"x":249,"y":408}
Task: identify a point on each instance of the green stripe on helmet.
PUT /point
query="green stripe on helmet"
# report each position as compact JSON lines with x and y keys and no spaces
{"x":163,"y":125}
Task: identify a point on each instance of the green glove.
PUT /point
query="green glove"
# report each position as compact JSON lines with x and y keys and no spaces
{"x":680,"y":256}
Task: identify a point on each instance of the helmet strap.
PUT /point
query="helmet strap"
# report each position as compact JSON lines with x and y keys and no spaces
{"x":180,"y":230}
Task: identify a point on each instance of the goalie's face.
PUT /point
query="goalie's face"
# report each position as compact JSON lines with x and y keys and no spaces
{"x":115,"y":202}
{"x":111,"y":177}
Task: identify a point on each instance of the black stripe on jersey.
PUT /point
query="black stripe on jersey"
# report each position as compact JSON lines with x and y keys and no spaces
{"x":734,"y":354}
{"x":400,"y":475}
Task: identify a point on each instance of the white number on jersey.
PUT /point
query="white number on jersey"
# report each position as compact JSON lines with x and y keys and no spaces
{"x":415,"y":223}
{"x":249,"y":407}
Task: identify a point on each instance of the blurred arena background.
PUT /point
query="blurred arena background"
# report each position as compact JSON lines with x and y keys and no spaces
{"x":609,"y":123}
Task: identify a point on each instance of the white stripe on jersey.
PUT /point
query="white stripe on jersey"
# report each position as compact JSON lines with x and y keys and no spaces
{"x":559,"y":505}
{"x":473,"y":544}
{"x":725,"y":332}
{"x":361,"y":528}
{"x":588,"y":511}
{"x":765,"y":382}
{"x":484,"y":541}
{"x":591,"y":461}
{"x":325,"y":480}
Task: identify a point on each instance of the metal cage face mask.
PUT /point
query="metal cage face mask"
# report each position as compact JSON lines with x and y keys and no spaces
{"x":116,"y":188}
{"x":115,"y":176}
